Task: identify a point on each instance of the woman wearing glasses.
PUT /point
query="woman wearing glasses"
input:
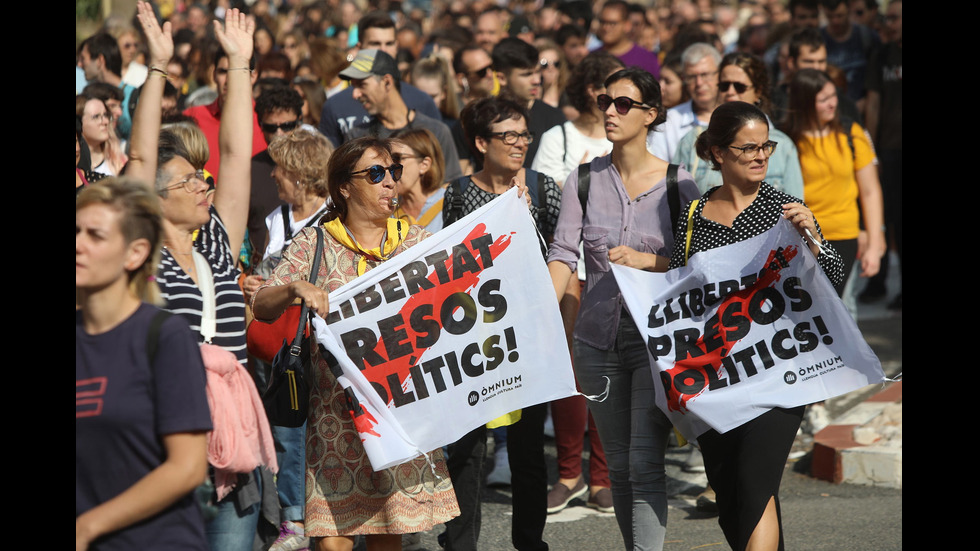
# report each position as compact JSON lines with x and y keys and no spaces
{"x":496,"y":129}
{"x":744,"y":77}
{"x":360,"y":234}
{"x":745,"y":465}
{"x":624,"y":218}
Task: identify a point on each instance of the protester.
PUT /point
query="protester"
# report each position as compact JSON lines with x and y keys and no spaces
{"x":97,"y":130}
{"x":839,"y":172}
{"x":200,"y":247}
{"x":554,"y":72}
{"x":497,"y":130}
{"x":622,"y":219}
{"x":140,"y":445}
{"x":743,"y":77}
{"x":421,"y":189}
{"x":362,"y":179}
{"x":745,"y":465}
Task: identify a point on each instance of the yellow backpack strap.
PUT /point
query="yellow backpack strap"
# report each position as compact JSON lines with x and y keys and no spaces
{"x":690,"y":229}
{"x":430,"y":214}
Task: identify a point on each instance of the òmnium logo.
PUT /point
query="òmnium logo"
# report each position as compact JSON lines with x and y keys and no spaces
{"x":789,"y":377}
{"x":473,"y":398}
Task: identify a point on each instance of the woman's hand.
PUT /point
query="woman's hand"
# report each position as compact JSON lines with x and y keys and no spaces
{"x":159,"y":40}
{"x":871,"y":248}
{"x":250,"y":285}
{"x":521,"y":189}
{"x":316,"y":298}
{"x":627,"y":256}
{"x":803,"y":221}
{"x":236,"y":37}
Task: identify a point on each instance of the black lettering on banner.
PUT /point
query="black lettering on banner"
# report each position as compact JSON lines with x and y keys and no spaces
{"x":463,"y":261}
{"x":425,"y":326}
{"x":434,"y":368}
{"x":395,"y":337}
{"x":414,"y":273}
{"x":398,"y":395}
{"x":697,"y":301}
{"x":493,"y":352}
{"x":659,"y":346}
{"x":482,"y":244}
{"x":495,"y":303}
{"x":744,"y":357}
{"x":758,"y":300}
{"x":736,"y":323}
{"x":800,"y":299}
{"x":421,"y":390}
{"x":466,"y":359}
{"x":391,"y":288}
{"x":359,"y":344}
{"x":438,"y":262}
{"x":808,"y":339}
{"x":368,"y":299}
{"x":779,"y":349}
{"x":686,"y":344}
{"x":653,"y":320}
{"x":689,"y":381}
{"x":465,"y":303}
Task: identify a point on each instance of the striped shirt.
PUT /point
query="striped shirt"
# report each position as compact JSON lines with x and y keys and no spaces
{"x":182,"y":296}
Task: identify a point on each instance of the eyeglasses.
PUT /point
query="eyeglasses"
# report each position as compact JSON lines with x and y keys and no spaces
{"x":189,"y":182}
{"x":100,"y":117}
{"x":510,"y":137}
{"x":271,"y":128}
{"x":376,"y":173}
{"x":623,"y":103}
{"x":700,"y":76}
{"x":751,"y":151}
{"x":740,"y":87}
{"x":482,"y":73}
{"x":546,"y":64}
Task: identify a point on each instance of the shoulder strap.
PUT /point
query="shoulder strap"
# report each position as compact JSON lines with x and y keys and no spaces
{"x":534,"y":181}
{"x":584,"y":181}
{"x":429,"y":215}
{"x":690,"y":229}
{"x":287,"y":227}
{"x":564,"y":140}
{"x":456,"y":205}
{"x":304,"y":310}
{"x":673,"y":195}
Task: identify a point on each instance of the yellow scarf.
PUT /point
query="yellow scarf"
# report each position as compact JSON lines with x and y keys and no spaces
{"x":394,"y":235}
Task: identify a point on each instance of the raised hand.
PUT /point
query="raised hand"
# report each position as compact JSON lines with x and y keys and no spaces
{"x":160,"y":41}
{"x":236,"y":35}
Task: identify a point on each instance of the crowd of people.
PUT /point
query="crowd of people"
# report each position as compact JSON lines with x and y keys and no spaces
{"x":236,"y":158}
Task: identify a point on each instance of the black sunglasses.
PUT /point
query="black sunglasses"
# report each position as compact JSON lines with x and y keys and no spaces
{"x":740,"y":87}
{"x":482,"y":73}
{"x":623,"y":104}
{"x":271,"y":128}
{"x":376,"y":173}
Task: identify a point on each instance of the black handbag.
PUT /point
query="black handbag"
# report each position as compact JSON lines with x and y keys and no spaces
{"x":287,"y":400}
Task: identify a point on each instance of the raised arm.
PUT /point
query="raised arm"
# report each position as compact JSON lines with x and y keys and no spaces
{"x":145,"y":134}
{"x":235,"y":136}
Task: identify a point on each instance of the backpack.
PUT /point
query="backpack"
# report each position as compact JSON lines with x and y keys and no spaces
{"x":673,"y":192}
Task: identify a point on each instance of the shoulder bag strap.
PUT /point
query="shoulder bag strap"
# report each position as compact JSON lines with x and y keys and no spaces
{"x":304,"y":310}
{"x":690,"y":229}
{"x":584,"y":181}
{"x":673,"y":195}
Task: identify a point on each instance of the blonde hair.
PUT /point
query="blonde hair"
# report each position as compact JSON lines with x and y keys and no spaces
{"x":191,"y":138}
{"x":140,"y":217}
{"x":304,"y":155}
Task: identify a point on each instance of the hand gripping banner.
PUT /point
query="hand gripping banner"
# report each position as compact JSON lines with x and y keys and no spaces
{"x":448,"y":335}
{"x":745,"y":328}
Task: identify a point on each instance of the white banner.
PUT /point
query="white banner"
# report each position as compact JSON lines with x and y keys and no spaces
{"x":745,"y":328}
{"x":449,"y":335}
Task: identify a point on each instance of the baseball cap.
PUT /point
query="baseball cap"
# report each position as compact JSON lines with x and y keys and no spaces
{"x":370,"y":62}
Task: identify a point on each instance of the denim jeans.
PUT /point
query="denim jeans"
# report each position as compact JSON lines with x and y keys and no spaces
{"x":633,"y":432}
{"x":291,"y":478}
{"x":234,"y":529}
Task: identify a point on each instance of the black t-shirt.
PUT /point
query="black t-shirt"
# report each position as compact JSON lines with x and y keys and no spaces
{"x":123,"y":408}
{"x":543,"y":117}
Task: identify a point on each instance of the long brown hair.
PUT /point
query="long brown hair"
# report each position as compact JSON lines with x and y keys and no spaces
{"x":425,"y":144}
{"x":802,"y":115}
{"x":342,"y":164}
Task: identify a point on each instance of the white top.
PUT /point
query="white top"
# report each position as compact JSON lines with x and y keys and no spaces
{"x":277,"y":236}
{"x":662,"y":141}
{"x":575,"y":147}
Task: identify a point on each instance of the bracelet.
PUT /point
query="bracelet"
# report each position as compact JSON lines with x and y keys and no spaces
{"x":239,"y":69}
{"x":158,"y":70}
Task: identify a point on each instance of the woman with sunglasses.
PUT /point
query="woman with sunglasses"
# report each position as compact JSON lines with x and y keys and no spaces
{"x":360,"y":233}
{"x":623,"y":218}
{"x":840,"y":172}
{"x":744,"y":77}
{"x":745,"y":465}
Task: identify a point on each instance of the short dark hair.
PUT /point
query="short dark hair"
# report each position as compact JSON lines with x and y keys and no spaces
{"x":569,"y":31}
{"x":278,"y":98}
{"x":374,"y":20}
{"x":809,"y":37}
{"x":513,"y":53}
{"x":576,"y":10}
{"x":726,"y":121}
{"x":648,"y":86}
{"x":103,"y":91}
{"x":478,"y":116}
{"x":623,"y":7}
{"x":458,"y":66}
{"x":103,"y":44}
{"x":341,"y":166}
{"x":593,"y":70}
